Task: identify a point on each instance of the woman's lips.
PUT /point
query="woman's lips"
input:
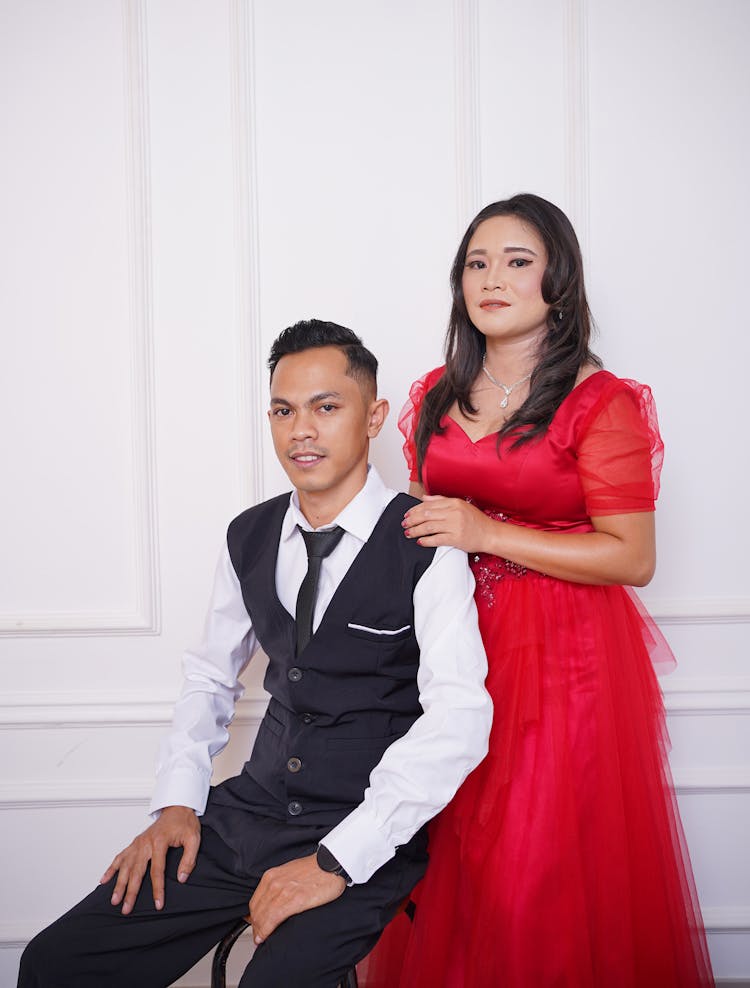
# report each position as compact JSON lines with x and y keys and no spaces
{"x":493,"y":304}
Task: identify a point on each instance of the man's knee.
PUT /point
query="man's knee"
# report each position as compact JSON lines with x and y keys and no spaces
{"x":39,"y":962}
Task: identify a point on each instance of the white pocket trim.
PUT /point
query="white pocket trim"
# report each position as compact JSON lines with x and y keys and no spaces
{"x":378,"y":631}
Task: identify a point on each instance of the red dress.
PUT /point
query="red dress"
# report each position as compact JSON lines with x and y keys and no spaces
{"x":561,"y":861}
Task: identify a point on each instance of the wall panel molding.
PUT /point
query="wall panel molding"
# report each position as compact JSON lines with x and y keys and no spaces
{"x":698,"y":610}
{"x":726,"y":919}
{"x":50,"y":794}
{"x":466,"y":101}
{"x":576,"y":88}
{"x":707,"y":695}
{"x":145,"y":618}
{"x":726,"y":780}
{"x":138,"y":708}
{"x":46,"y":794}
{"x":33,"y":711}
{"x":141,"y":275}
{"x":250,"y":358}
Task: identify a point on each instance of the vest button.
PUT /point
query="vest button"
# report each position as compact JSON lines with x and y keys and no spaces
{"x":307,"y":718}
{"x":295,"y":808}
{"x":294,"y":764}
{"x":294,"y":675}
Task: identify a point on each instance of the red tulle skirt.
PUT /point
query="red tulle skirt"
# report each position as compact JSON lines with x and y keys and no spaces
{"x":561,"y":861}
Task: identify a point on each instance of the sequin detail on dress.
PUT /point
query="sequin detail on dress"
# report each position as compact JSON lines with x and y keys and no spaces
{"x":488,"y":570}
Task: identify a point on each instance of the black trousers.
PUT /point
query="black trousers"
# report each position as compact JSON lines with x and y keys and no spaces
{"x":94,"y":945}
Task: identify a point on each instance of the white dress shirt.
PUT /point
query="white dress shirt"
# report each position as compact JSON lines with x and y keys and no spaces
{"x":418,"y":774}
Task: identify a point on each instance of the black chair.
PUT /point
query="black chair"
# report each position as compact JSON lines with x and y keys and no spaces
{"x":221,"y":955}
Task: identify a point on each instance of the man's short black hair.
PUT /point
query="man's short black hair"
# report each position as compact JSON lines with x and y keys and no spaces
{"x":311,"y":333}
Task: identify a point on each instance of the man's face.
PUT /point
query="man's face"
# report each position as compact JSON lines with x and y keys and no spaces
{"x":321,"y":423}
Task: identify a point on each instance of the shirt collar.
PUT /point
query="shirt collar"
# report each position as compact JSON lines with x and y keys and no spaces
{"x":359,"y":517}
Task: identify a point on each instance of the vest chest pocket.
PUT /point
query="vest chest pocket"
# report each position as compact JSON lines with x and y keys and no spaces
{"x":381,"y":636}
{"x":394,"y":649}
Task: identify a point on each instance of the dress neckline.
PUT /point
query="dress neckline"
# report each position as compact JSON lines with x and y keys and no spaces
{"x":573,"y":390}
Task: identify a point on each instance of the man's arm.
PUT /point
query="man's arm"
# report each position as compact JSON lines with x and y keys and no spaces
{"x":202,"y":714}
{"x":211,"y":688}
{"x":420,"y":773}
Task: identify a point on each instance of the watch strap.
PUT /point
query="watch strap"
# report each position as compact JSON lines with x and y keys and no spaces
{"x":327,"y":862}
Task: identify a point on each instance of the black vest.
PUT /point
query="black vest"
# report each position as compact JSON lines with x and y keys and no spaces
{"x":352,"y":691}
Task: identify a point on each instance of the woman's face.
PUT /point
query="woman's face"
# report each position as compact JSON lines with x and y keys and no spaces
{"x":502,"y":280}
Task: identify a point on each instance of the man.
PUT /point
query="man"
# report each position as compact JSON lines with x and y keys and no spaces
{"x":377,"y":713}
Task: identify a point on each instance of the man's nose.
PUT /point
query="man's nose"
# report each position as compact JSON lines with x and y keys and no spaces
{"x":304,"y":426}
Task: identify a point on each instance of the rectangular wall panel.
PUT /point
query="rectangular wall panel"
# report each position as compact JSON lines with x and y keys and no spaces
{"x":356,"y":183}
{"x":75,"y":257}
{"x":670,"y":211}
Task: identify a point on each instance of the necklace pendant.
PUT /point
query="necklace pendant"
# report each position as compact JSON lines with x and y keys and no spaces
{"x":504,"y":402}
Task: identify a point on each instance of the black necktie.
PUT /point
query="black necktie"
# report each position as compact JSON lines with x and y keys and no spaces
{"x":319,"y":545}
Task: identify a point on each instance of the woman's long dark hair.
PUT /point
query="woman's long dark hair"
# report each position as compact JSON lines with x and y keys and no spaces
{"x":562,"y":352}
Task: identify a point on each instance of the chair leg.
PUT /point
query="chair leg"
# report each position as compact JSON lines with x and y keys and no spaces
{"x":350,"y":979}
{"x":221,"y":954}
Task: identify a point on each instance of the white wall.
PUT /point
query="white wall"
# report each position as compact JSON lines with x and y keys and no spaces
{"x":179,"y":180}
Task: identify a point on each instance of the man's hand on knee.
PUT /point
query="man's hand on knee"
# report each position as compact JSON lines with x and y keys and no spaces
{"x":291,"y":888}
{"x":177,"y":826}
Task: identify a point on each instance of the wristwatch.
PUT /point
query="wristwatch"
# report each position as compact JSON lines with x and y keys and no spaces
{"x":327,"y":862}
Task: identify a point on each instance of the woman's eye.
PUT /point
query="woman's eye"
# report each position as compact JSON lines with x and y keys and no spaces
{"x":476,"y":265}
{"x":519,"y":262}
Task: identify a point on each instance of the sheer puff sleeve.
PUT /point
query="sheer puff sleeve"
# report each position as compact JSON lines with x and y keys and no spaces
{"x":620,"y":451}
{"x":409,"y":417}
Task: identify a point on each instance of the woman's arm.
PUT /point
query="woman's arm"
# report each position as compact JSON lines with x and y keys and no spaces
{"x":618,"y":452}
{"x":620,"y":550}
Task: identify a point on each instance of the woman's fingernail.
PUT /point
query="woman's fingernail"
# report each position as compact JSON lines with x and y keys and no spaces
{"x":157,"y":903}
{"x":182,"y":877}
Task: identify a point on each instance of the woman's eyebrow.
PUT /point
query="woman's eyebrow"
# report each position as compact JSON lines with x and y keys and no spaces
{"x":506,"y":250}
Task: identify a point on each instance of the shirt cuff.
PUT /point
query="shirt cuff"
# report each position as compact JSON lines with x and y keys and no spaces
{"x":180,"y":787}
{"x":359,"y":845}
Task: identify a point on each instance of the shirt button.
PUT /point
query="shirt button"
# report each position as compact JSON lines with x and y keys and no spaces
{"x":294,"y":675}
{"x":307,"y":718}
{"x":294,"y":764}
{"x":295,"y":808}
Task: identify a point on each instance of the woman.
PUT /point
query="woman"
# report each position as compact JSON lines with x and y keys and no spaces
{"x":561,"y":861}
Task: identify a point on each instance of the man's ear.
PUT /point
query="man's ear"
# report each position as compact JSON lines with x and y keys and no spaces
{"x":378,"y":414}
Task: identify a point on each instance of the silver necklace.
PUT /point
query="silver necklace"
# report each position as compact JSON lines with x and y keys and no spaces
{"x":499,"y":384}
